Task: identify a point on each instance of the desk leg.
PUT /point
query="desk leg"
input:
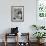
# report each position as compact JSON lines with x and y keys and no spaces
{"x":17,"y":40}
{"x":5,"y":40}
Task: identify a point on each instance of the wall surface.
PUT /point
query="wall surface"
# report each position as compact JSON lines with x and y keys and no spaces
{"x":29,"y":15}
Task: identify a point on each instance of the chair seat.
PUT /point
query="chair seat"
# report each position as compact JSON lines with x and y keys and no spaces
{"x":9,"y":34}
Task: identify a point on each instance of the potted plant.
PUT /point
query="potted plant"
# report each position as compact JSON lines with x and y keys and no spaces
{"x":39,"y":35}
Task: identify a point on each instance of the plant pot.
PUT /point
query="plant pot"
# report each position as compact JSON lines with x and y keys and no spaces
{"x":40,"y":41}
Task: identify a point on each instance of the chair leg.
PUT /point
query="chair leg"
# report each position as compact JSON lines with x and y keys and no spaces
{"x":5,"y":43}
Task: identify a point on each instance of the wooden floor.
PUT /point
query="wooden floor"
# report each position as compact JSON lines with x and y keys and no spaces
{"x":13,"y":44}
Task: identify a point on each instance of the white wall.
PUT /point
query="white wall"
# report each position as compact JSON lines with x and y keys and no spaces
{"x":29,"y":15}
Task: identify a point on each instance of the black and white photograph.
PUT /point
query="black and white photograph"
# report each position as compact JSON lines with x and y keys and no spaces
{"x":17,"y":13}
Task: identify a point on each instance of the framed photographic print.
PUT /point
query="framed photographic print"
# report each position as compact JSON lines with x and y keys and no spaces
{"x":17,"y":13}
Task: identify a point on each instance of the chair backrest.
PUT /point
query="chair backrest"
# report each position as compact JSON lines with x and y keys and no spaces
{"x":24,"y":37}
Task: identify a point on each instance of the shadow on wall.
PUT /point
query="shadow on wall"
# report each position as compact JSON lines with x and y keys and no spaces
{"x":7,"y":31}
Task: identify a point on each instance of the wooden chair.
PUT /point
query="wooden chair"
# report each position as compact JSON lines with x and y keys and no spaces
{"x":8,"y":34}
{"x":25,"y":36}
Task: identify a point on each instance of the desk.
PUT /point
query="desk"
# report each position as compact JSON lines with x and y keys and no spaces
{"x":17,"y":43}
